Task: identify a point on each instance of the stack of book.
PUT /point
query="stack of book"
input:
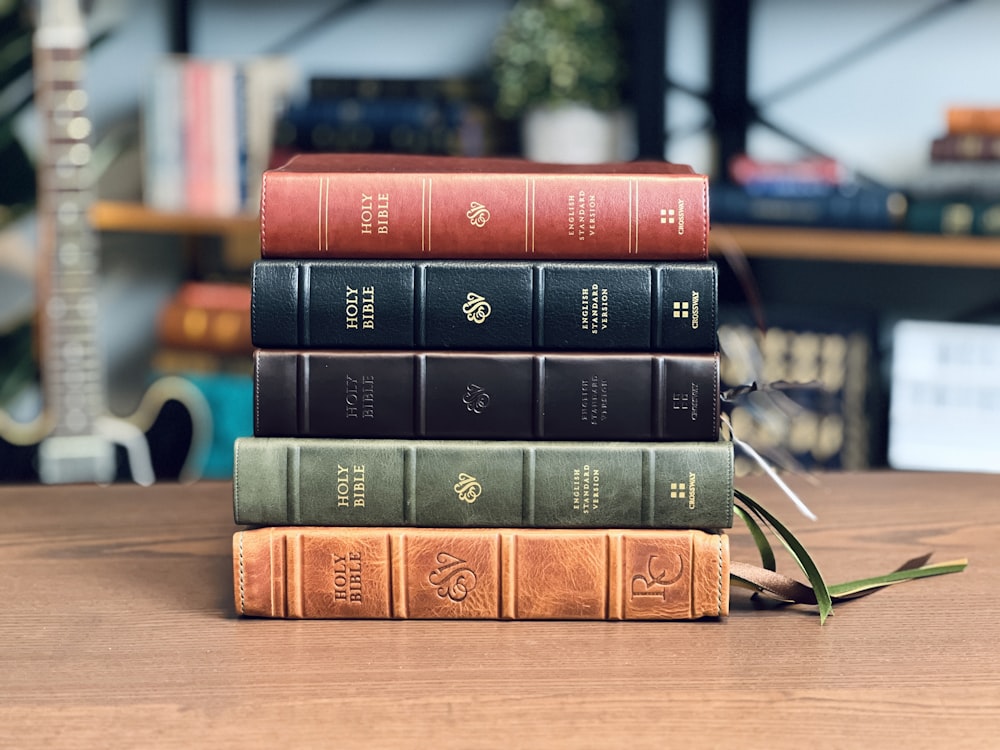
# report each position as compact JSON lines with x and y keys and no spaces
{"x":958,"y":192}
{"x":483,"y":388}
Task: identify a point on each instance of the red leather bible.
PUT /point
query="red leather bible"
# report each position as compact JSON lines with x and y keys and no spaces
{"x":408,"y":206}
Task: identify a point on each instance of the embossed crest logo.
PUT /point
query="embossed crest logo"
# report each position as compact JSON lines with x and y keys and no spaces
{"x":468,"y":488}
{"x":661,"y":573}
{"x":478,"y":214}
{"x":476,"y":308}
{"x":476,"y":399}
{"x":453,"y":578}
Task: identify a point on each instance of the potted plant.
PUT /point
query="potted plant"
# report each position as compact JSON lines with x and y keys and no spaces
{"x":559,"y":66}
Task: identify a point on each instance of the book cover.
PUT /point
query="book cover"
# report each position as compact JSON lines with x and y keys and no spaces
{"x":391,"y":206}
{"x":372,"y":304}
{"x":510,"y":574}
{"x":497,"y":395}
{"x":484,"y":483}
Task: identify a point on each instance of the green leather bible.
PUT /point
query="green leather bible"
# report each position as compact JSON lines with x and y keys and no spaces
{"x":331,"y":482}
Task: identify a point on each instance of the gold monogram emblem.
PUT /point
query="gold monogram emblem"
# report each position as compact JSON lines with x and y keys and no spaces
{"x":478,"y":214}
{"x":476,"y":308}
{"x":468,"y":488}
{"x":476,"y":399}
{"x":454,"y":580}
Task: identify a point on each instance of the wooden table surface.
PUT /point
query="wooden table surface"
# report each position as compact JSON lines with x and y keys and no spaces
{"x":117,"y":630}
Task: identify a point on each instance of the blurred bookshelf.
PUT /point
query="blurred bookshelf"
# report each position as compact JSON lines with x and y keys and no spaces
{"x":240,"y":237}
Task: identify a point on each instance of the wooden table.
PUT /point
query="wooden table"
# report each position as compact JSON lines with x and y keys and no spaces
{"x":117,"y":630}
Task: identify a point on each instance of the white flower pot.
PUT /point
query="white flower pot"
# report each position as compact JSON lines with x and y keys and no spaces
{"x":577,"y":134}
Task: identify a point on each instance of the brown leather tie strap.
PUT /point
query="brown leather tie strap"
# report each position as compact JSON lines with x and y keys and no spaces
{"x":784,"y":589}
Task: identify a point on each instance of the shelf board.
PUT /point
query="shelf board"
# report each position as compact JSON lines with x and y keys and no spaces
{"x":846,"y":246}
{"x":122,"y":216}
{"x":792,"y":243}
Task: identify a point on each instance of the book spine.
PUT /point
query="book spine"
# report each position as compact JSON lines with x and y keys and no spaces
{"x":199,"y":164}
{"x":225,"y":136}
{"x":862,"y":208}
{"x":496,"y":395}
{"x":163,"y":137}
{"x":435,"y":215}
{"x":482,"y":483}
{"x":669,"y":307}
{"x":510,"y":574}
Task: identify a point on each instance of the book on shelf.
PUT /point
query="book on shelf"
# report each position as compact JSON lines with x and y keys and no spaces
{"x":861,"y":207}
{"x":472,"y":305}
{"x":397,"y":125}
{"x":391,"y":206}
{"x":510,"y":574}
{"x":485,"y":483}
{"x":796,"y":177}
{"x":401,"y":115}
{"x":957,"y":216}
{"x":163,"y":142}
{"x":497,"y":395}
{"x":966,"y":147}
{"x":208,"y":131}
{"x":972,"y":119}
{"x":453,"y":88}
{"x":207,"y":316}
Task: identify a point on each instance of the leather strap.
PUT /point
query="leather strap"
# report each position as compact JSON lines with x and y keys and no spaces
{"x":784,"y":589}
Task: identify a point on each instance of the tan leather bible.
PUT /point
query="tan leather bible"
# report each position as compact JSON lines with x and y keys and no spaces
{"x":513,"y":574}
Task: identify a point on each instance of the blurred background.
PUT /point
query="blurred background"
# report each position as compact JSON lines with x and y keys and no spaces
{"x":853,"y":149}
